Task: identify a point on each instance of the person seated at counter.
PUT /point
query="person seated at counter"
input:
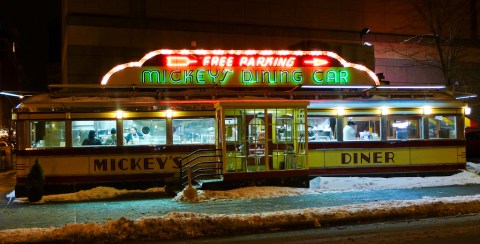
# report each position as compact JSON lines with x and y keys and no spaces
{"x":134,"y":136}
{"x":112,"y":139}
{"x":91,"y":139}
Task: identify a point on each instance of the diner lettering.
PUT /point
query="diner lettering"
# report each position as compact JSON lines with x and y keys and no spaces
{"x":244,"y":76}
{"x":368,"y":158}
{"x":134,"y":163}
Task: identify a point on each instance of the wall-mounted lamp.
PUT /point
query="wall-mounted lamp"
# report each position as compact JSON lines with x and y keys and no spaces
{"x":427,"y":110}
{"x":169,"y":113}
{"x":363,"y":32}
{"x":119,"y":114}
{"x":467,"y":110}
{"x":340,"y":111}
{"x":384,"y":110}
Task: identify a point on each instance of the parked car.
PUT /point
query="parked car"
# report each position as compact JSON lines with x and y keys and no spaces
{"x":472,"y":138}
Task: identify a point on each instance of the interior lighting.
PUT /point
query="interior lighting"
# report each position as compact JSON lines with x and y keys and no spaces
{"x":467,"y":110}
{"x":340,"y":111}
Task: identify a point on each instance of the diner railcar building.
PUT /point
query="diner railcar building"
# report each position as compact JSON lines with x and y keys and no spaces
{"x":231,"y":118}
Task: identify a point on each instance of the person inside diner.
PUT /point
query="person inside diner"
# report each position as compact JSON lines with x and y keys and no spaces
{"x":349,"y":131}
{"x":112,"y":139}
{"x":311,"y":133}
{"x":134,"y":136}
{"x":91,"y":139}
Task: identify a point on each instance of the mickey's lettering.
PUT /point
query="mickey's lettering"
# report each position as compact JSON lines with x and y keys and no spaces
{"x":134,"y":163}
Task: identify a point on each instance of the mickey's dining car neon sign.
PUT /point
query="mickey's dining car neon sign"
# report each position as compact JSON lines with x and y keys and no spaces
{"x":234,"y":68}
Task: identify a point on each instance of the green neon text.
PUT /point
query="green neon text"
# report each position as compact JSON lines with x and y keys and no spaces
{"x":331,"y":77}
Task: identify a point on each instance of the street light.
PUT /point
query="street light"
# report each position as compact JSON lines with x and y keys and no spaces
{"x":11,"y":94}
{"x":363,"y":32}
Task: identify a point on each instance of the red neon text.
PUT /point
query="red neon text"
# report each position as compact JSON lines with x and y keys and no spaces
{"x":267,"y":61}
{"x":220,"y":61}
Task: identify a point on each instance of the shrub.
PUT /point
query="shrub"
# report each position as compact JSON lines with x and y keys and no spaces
{"x":35,"y":183}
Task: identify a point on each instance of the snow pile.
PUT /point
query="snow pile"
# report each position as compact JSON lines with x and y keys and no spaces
{"x":97,"y":193}
{"x":177,"y":225}
{"x":242,"y":193}
{"x":332,"y":184}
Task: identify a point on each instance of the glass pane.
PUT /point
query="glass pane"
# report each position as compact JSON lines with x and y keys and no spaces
{"x":231,"y":129}
{"x":363,"y":128}
{"x":48,"y":133}
{"x":144,"y":132}
{"x":403,"y":127}
{"x":321,"y":128}
{"x":93,"y":132}
{"x":442,"y":127}
{"x":235,"y":134}
{"x":195,"y":130}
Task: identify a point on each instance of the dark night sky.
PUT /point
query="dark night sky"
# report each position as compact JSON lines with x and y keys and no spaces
{"x":36,"y":26}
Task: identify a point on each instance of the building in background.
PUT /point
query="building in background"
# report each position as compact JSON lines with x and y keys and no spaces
{"x":390,"y":37}
{"x":30,"y":44}
{"x":10,"y":76}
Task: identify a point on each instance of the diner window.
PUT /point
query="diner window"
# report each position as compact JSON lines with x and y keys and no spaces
{"x":441,"y":127}
{"x":231,"y":129}
{"x":93,"y":132}
{"x":47,"y":133}
{"x":144,"y":132}
{"x":194,"y":130}
{"x":363,"y":128}
{"x":321,"y":128}
{"x":403,"y":127}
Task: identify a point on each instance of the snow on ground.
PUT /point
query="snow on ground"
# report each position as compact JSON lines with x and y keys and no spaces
{"x":318,"y":185}
{"x":182,"y":225}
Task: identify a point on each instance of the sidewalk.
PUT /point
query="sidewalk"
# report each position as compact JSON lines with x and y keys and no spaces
{"x":7,"y":184}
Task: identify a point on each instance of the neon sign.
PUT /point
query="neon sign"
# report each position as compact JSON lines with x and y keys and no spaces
{"x":165,"y":68}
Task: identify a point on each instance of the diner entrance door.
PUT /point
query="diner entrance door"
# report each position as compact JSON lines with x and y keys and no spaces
{"x":268,"y":138}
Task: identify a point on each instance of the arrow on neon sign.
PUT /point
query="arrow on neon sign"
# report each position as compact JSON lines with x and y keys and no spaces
{"x":317,"y":62}
{"x":179,"y":61}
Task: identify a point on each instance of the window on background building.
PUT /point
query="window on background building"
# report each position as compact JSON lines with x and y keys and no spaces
{"x":441,"y":127}
{"x":403,"y":127}
{"x":194,"y":130}
{"x":145,"y":132}
{"x":47,"y":133}
{"x":321,"y":128}
{"x":93,"y":132}
{"x":362,"y":128}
